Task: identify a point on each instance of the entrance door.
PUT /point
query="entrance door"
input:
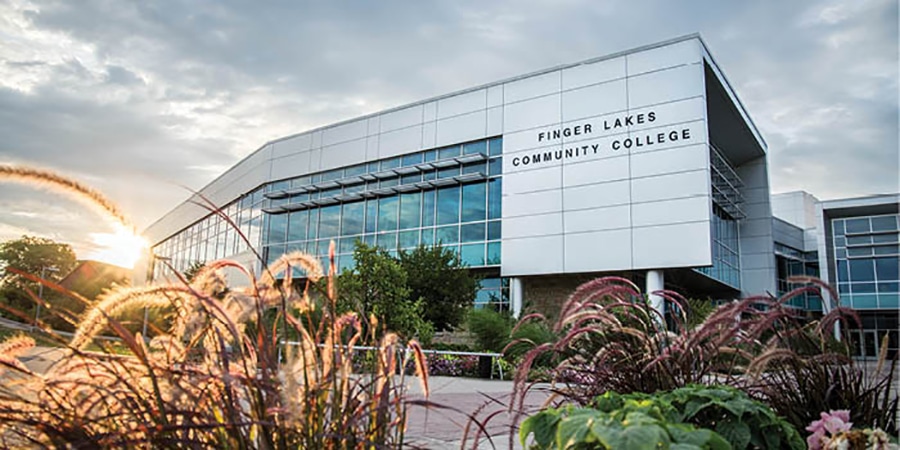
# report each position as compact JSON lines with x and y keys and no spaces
{"x":870,"y":344}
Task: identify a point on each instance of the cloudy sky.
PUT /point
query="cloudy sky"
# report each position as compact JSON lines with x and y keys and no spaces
{"x":148,"y":99}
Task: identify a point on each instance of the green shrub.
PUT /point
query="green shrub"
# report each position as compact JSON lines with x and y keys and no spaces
{"x":490,"y":328}
{"x":635,"y":425}
{"x":689,"y":417}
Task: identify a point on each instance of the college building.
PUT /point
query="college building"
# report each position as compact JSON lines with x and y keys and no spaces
{"x":642,"y":164}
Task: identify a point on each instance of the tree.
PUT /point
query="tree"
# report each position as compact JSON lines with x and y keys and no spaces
{"x":437,"y":276}
{"x":31,"y":255}
{"x":378,"y":286}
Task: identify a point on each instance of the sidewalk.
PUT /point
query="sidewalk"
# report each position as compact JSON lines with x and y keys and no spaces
{"x":460,"y":400}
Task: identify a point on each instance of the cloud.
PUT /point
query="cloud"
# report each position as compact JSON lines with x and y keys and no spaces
{"x":142,"y":98}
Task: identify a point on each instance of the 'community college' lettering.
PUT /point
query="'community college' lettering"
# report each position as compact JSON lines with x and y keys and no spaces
{"x":571,"y":152}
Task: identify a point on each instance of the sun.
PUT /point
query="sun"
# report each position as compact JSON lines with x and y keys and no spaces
{"x":122,"y":247}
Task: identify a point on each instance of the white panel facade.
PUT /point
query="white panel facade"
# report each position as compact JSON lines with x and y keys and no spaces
{"x":343,"y":154}
{"x":593,"y":73}
{"x":598,"y":250}
{"x":461,"y":128}
{"x":401,"y":118}
{"x":398,"y":142}
{"x":605,"y":163}
{"x":462,"y":104}
{"x":533,"y":255}
{"x":624,"y":141}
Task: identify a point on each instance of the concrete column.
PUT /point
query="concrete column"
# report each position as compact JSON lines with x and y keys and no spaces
{"x":515,"y":296}
{"x":656,"y":282}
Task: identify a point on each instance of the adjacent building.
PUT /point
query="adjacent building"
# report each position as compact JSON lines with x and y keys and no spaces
{"x":643,"y":164}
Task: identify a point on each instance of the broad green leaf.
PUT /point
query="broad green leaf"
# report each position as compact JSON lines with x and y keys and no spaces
{"x":543,"y":425}
{"x":735,"y":431}
{"x":639,"y":437}
{"x":574,"y":429}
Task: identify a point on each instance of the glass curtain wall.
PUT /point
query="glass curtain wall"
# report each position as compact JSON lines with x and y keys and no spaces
{"x":448,"y":196}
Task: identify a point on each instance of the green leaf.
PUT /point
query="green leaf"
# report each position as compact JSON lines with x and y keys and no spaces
{"x":608,"y":402}
{"x":543,"y":425}
{"x":638,"y":437}
{"x":686,"y":434}
{"x":735,"y":432}
{"x":573,"y":430}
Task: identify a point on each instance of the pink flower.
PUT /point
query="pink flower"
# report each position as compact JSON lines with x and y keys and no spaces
{"x":833,"y":422}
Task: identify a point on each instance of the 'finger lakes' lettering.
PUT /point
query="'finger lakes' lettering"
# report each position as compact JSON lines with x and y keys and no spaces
{"x":583,"y":149}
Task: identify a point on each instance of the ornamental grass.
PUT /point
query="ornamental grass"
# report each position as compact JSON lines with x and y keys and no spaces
{"x":217,"y":372}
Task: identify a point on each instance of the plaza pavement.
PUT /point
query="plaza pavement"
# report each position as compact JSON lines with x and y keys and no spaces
{"x":484,"y":400}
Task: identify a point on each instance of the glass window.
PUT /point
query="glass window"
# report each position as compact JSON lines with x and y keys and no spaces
{"x":428,"y":208}
{"x":387,"y":240}
{"x":322,"y":250}
{"x":887,"y":250}
{"x":389,"y":182}
{"x":493,"y":253}
{"x":889,"y":287}
{"x":887,"y":269}
{"x":840,"y":242}
{"x":410,"y":213}
{"x":496,"y":146}
{"x":447,"y":235}
{"x":277,"y":228}
{"x":372,"y":167}
{"x":448,"y":205}
{"x":842,"y":270}
{"x":858,"y":225}
{"x":867,"y":301}
{"x":356,"y":170}
{"x":390,"y":163}
{"x":333,"y":175}
{"x":858,"y":240}
{"x":859,"y":251}
{"x":353,"y":218}
{"x":475,"y":147}
{"x":495,"y":166}
{"x":472,"y":232}
{"x":329,"y":221}
{"x":448,"y":152}
{"x":891,"y":301}
{"x":884,"y":223}
{"x":369,"y":239}
{"x":412,"y":159}
{"x":411,"y":179}
{"x":448,"y":172}
{"x":863,"y":288}
{"x":479,"y":167}
{"x":862,"y":270}
{"x":408,"y":239}
{"x":472,"y":254}
{"x":371,"y":215}
{"x":473,"y":202}
{"x":313,"y":229}
{"x":388,"y":207}
{"x":429,"y":175}
{"x":300,"y":181}
{"x":428,"y":236}
{"x":297,"y":225}
{"x":884,"y":238}
{"x":430,"y":155}
{"x":348,"y":244}
{"x":494,"y":191}
{"x":493,"y":230}
{"x":843,"y":288}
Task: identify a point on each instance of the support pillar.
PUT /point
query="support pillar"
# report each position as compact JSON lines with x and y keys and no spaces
{"x":656,"y":282}
{"x":515,"y":296}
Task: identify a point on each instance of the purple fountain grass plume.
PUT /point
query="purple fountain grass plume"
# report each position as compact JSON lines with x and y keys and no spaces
{"x":66,"y":186}
{"x":118,"y":301}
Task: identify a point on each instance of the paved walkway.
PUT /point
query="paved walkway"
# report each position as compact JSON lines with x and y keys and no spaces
{"x":461,"y":403}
